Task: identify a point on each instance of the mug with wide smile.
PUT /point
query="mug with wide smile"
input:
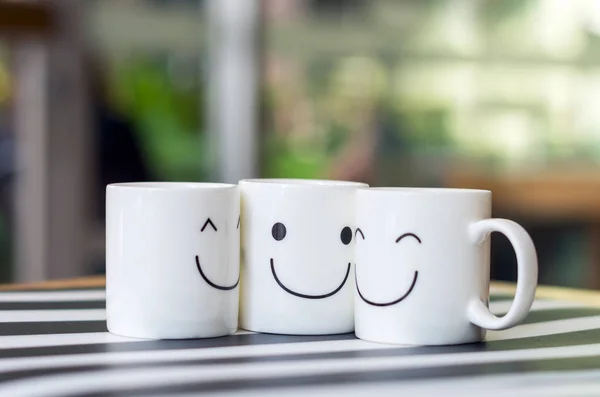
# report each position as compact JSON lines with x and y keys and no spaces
{"x":298,"y":244}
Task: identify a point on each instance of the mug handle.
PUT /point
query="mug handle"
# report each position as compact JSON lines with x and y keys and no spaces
{"x":527,"y":271}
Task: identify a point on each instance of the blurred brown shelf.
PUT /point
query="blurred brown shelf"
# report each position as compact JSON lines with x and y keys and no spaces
{"x":25,"y":18}
{"x":548,"y":195}
{"x":75,"y":283}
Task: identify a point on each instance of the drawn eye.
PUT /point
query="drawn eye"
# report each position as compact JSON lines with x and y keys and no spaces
{"x":238,"y":224}
{"x":409,"y":235}
{"x":346,"y":235}
{"x":278,"y":231}
{"x":358,"y":231}
{"x":208,"y":222}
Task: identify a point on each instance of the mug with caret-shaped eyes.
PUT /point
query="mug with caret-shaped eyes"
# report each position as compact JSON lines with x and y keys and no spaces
{"x":423,"y":266}
{"x":297,"y":255}
{"x":172,"y":259}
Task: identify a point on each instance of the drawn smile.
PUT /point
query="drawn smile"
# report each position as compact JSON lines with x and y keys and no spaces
{"x":222,"y":288}
{"x":286,"y":289}
{"x":387,"y":303}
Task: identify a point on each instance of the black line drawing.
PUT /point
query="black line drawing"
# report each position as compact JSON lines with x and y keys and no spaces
{"x":409,"y":235}
{"x":238,"y":224}
{"x":412,"y":285}
{"x":386,"y":303}
{"x":305,"y":296}
{"x":208,"y":222}
{"x":359,"y":231}
{"x":222,"y":288}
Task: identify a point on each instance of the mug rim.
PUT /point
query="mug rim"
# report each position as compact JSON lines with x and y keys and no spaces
{"x":302,"y":183}
{"x":171,"y":186}
{"x":425,"y":190}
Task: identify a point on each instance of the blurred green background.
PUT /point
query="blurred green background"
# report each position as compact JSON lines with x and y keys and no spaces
{"x":472,"y":93}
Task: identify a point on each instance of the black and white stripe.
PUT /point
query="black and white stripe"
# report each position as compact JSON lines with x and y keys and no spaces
{"x":59,"y":340}
{"x":299,"y":373}
{"x":306,"y":352}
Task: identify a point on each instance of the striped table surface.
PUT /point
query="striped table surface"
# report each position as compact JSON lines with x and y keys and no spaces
{"x":55,"y":343}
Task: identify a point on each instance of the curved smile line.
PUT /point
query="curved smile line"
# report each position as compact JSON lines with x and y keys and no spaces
{"x":388,"y":303}
{"x":286,"y":289}
{"x":210,"y":282}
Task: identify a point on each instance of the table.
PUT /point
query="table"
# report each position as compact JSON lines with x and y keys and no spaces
{"x":53,"y":342}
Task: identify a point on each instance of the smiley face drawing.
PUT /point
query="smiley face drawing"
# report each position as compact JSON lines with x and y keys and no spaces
{"x":403,"y":295}
{"x":209,"y":226}
{"x":297,"y":238}
{"x":279,"y":232}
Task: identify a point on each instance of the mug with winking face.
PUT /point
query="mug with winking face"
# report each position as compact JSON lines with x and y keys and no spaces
{"x":423,"y":266}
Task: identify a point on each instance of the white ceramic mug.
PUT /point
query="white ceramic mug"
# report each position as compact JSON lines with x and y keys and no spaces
{"x":297,"y":255}
{"x":172,"y":259}
{"x":423,"y":266}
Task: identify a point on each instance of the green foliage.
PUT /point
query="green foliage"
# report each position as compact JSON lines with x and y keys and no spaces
{"x":169,"y":120}
{"x":285,"y":160}
{"x":494,"y":11}
{"x":336,"y":137}
{"x":423,"y":128}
